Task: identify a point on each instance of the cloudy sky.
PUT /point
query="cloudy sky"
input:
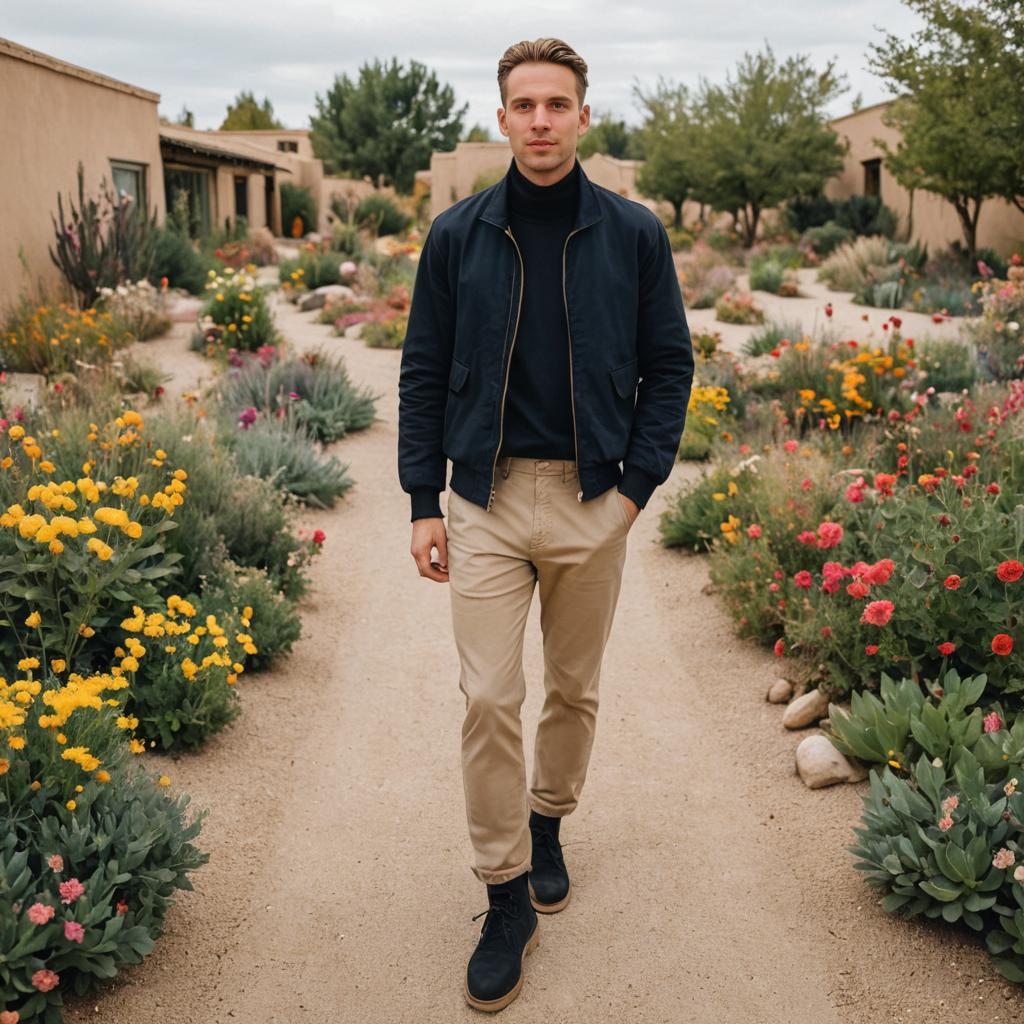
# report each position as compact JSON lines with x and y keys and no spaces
{"x":201,"y":54}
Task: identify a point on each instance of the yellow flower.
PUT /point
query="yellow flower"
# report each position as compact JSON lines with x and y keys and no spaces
{"x":16,"y":742}
{"x":58,"y":665}
{"x":33,"y":620}
{"x":164,"y":780}
{"x":71,"y":805}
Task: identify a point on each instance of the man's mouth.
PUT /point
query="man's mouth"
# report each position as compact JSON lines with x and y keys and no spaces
{"x":540,"y":144}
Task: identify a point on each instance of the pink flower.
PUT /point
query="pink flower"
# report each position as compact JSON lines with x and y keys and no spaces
{"x":1003,"y":859}
{"x":70,"y":890}
{"x":773,"y":587}
{"x":73,"y":931}
{"x":808,"y":537}
{"x":803,"y":579}
{"x":951,"y":803}
{"x":753,"y":531}
{"x":946,"y":823}
{"x":44,"y":980}
{"x":39,"y":913}
{"x":829,"y":535}
{"x":877,"y":613}
{"x":992,"y":722}
{"x":946,"y":649}
{"x":806,"y":484}
{"x":9,"y":1017}
{"x":855,"y":492}
{"x":790,"y":445}
{"x":55,"y":863}
{"x":247,"y":417}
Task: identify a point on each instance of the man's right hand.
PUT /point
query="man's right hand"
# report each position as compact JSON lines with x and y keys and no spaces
{"x":428,"y":533}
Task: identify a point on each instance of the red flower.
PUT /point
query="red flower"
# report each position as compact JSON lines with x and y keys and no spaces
{"x":779,"y":648}
{"x":826,"y":631}
{"x":753,"y":531}
{"x":951,"y":582}
{"x":871,"y":649}
{"x":1010,"y":571}
{"x":992,"y":722}
{"x":807,"y":537}
{"x":880,"y":572}
{"x":828,"y":309}
{"x":992,"y":488}
{"x":829,"y":535}
{"x":319,"y":536}
{"x":946,"y":649}
{"x":878,"y":613}
{"x":1002,"y":644}
{"x":858,"y":589}
{"x":884,"y":482}
{"x":803,"y":579}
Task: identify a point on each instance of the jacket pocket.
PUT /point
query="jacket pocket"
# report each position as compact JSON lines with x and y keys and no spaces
{"x":458,"y":375}
{"x":624,"y":378}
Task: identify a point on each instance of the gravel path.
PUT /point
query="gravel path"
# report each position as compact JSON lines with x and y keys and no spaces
{"x":710,"y":884}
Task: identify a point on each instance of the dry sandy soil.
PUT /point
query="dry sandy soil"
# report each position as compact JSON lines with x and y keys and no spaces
{"x":711,"y":885}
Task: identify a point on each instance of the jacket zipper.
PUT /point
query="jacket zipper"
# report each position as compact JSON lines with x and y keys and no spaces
{"x":572,"y":396}
{"x":508,"y":367}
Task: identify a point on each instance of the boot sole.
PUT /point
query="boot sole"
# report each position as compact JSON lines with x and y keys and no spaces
{"x":549,"y":908}
{"x":492,"y":1005}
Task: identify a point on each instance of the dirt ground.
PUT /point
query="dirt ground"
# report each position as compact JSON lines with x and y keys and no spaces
{"x":710,"y":884}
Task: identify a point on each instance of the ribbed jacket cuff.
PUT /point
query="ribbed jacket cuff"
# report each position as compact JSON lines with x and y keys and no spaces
{"x":425,"y":503}
{"x":637,"y":485}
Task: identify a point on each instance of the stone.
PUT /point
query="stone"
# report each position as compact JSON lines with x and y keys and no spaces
{"x":820,"y":764}
{"x":317,"y":298}
{"x":805,"y":710}
{"x":23,"y":389}
{"x":780,"y":691}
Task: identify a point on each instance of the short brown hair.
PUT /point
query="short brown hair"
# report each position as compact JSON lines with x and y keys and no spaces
{"x":546,"y":50}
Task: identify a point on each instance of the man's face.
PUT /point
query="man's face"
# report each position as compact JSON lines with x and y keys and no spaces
{"x":543,"y":119}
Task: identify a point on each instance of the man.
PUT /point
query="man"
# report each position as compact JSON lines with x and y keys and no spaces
{"x":538,"y":304}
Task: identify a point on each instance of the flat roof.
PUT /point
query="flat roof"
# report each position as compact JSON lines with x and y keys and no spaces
{"x":210,"y":143}
{"x":16,"y":51}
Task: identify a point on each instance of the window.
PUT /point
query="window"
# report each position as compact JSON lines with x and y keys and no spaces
{"x":872,"y":177}
{"x":287,"y":146}
{"x":129,"y":179}
{"x":241,"y":196}
{"x":195,"y":184}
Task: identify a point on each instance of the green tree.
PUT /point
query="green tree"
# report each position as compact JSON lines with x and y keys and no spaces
{"x":958,"y":108}
{"x":247,"y":115}
{"x":185,"y":118}
{"x":610,"y":135}
{"x":478,"y":133}
{"x":765,"y":136}
{"x":671,"y":141}
{"x":386,"y":124}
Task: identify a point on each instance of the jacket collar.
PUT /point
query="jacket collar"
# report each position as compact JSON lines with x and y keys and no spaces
{"x":587,"y":212}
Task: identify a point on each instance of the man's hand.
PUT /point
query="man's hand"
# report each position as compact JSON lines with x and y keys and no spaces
{"x":632,"y":508}
{"x":428,"y":533}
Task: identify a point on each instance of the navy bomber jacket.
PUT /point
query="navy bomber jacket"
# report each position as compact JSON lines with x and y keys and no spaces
{"x":630,"y":355}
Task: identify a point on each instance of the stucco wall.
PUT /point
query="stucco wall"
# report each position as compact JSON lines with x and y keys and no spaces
{"x":935,"y":221}
{"x":54,"y":114}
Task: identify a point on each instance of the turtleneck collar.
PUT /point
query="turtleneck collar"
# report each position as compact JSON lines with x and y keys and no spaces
{"x":543,"y":202}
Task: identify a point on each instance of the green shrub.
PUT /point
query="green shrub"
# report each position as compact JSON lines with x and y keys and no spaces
{"x":386,"y":333}
{"x":233,"y":587}
{"x":826,"y":238}
{"x":948,"y":364}
{"x":379,"y":214}
{"x":865,"y":215}
{"x":738,"y":308}
{"x":802,"y":212}
{"x":327,"y":402}
{"x":767,"y":338}
{"x":115,"y":832}
{"x":234,"y":315}
{"x":297,"y":201}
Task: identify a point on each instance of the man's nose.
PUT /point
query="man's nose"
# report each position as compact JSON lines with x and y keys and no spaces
{"x":540,"y":116}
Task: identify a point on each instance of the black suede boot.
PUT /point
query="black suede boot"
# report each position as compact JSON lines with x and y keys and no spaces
{"x":494,"y":975}
{"x":549,"y":880}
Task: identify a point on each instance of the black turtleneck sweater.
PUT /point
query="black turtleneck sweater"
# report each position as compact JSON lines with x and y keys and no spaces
{"x":538,"y":406}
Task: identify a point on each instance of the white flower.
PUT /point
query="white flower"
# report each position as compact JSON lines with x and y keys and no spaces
{"x":937,"y":763}
{"x":1013,"y":326}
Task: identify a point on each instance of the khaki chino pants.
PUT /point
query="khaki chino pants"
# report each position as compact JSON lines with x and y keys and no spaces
{"x":536,"y":532}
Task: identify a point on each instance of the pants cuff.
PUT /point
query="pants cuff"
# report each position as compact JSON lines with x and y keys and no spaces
{"x":498,"y":877}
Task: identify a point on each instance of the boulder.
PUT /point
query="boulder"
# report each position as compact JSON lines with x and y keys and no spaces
{"x":780,"y":691}
{"x":24,"y":389}
{"x":317,"y":298}
{"x":805,"y":710}
{"x":820,"y":764}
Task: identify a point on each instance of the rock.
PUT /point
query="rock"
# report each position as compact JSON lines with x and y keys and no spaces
{"x":820,"y":764}
{"x":24,"y":389}
{"x":313,"y":236}
{"x":317,"y":298}
{"x":805,"y":709}
{"x":780,"y":691}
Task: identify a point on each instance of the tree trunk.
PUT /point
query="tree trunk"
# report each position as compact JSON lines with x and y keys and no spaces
{"x":969,"y":222}
{"x":677,"y":220}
